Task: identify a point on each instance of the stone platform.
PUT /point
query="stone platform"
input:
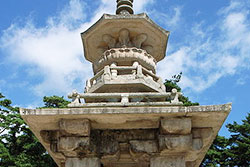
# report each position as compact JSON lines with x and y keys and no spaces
{"x":139,"y":135}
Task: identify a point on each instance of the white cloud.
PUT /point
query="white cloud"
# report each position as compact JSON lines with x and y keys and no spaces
{"x":210,"y":53}
{"x":54,"y":52}
{"x":171,"y":19}
{"x":139,"y":5}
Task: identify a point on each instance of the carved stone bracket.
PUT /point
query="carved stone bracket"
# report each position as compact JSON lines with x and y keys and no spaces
{"x":176,"y":125}
{"x":125,"y":41}
{"x":77,"y":127}
{"x":177,"y":136}
{"x":175,"y":143}
{"x":75,"y":143}
{"x":125,"y":56}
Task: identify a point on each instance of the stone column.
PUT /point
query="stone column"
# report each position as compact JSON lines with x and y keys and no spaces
{"x":76,"y":136}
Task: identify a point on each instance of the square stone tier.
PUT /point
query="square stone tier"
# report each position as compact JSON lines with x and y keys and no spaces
{"x":131,"y":136}
{"x":124,"y":79}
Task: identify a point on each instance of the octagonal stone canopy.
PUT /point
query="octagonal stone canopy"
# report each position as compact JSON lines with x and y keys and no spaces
{"x":135,"y":24}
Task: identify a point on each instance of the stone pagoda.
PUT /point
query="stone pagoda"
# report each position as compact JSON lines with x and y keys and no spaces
{"x":125,"y":117}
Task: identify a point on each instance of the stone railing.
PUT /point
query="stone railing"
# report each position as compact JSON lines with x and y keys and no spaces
{"x":126,"y":98}
{"x":125,"y":73}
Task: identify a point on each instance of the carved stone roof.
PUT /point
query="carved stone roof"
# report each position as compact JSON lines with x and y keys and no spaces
{"x":112,"y":24}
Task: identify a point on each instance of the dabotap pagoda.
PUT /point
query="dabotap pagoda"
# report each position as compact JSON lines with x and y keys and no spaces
{"x":125,"y":117}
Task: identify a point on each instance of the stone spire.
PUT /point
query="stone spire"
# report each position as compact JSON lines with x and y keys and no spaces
{"x":124,"y":7}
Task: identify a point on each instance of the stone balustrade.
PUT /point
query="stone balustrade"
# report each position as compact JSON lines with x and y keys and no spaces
{"x":125,"y":98}
{"x":123,"y":75}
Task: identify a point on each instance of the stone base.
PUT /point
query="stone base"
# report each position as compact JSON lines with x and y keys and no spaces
{"x":127,"y":136}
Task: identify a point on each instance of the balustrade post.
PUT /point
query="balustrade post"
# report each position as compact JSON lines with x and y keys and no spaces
{"x":113,"y":71}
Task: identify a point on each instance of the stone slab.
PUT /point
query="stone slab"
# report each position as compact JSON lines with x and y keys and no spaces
{"x":75,"y":126}
{"x":176,"y":125}
{"x":148,"y":146}
{"x":178,"y":143}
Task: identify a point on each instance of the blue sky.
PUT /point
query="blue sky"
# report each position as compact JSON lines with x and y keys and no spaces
{"x":41,"y":51}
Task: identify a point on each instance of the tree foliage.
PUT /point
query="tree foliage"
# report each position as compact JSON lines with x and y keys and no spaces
{"x":239,"y":142}
{"x":54,"y":102}
{"x":216,"y":155}
{"x":173,"y":83}
{"x":234,"y":151}
{"x":18,"y":146}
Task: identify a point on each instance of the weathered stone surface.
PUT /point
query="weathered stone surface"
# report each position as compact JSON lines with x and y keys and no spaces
{"x":190,"y":164}
{"x":148,"y":146}
{"x":49,"y":136}
{"x":84,"y":162}
{"x":203,"y":133}
{"x":111,"y":118}
{"x":108,"y":141}
{"x":175,"y":142}
{"x":127,"y":135}
{"x":176,"y":125}
{"x":72,"y":143}
{"x":75,"y":126}
{"x":168,"y":161}
{"x":140,"y":156}
{"x":197,"y":144}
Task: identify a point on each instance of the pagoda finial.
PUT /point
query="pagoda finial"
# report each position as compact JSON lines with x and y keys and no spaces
{"x":124,"y":7}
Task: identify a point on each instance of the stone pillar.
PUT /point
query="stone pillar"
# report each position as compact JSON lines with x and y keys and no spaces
{"x":113,"y":71}
{"x":106,"y":74}
{"x":135,"y":64}
{"x":83,"y":162}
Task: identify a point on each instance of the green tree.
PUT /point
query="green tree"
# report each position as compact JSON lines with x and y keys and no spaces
{"x":55,"y":102}
{"x":216,"y":154}
{"x":239,"y":143}
{"x":173,"y":83}
{"x":18,"y":146}
{"x":231,"y":152}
